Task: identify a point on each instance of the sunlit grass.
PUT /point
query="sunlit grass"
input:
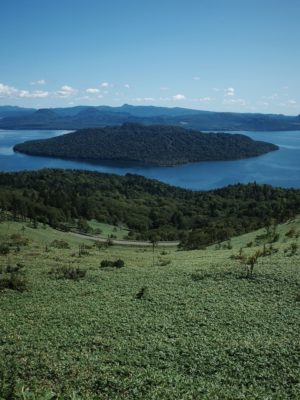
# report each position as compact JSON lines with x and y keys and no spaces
{"x":200,"y":330}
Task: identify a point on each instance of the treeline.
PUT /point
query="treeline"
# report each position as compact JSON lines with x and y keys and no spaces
{"x":157,"y":145}
{"x":149,"y":208}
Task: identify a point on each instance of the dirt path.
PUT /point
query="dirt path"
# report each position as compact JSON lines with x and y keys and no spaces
{"x":125,"y":242}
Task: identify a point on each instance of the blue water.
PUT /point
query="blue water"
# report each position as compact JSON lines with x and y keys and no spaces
{"x":278,"y":168}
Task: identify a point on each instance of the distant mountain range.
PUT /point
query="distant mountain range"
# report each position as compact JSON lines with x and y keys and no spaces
{"x":157,"y":145}
{"x":92,"y":117}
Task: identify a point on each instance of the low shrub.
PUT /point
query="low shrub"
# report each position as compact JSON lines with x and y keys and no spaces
{"x":17,"y":239}
{"x":63,"y":227}
{"x":291,"y":250}
{"x":14,"y":268}
{"x":112,"y":264}
{"x":4,"y":249}
{"x":60,"y":244}
{"x":83,"y":250}
{"x":275,"y":237}
{"x":143,"y":294}
{"x":268,"y":250}
{"x":164,"y":262}
{"x":8,"y":381}
{"x":164,"y":253}
{"x":73,"y":273}
{"x":292,"y":233}
{"x":13,"y":281}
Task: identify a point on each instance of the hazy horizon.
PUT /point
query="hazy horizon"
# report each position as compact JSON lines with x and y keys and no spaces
{"x":146,"y":105}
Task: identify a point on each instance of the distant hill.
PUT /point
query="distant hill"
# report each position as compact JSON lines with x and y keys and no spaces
{"x":80,"y":117}
{"x":14,"y":111}
{"x":158,"y":145}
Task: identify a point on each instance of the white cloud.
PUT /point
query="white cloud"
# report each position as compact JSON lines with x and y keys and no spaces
{"x":204,"y":99}
{"x":196,"y":78}
{"x":240,"y":102}
{"x":143,"y":99}
{"x":105,"y":84}
{"x":92,"y":90}
{"x":82,"y":98}
{"x":7,"y":91}
{"x":127,"y":86}
{"x":164,"y":99}
{"x":272,"y":97}
{"x":290,"y":104}
{"x":262,"y":103}
{"x":39,"y":82}
{"x":178,"y":97}
{"x":66,"y":91}
{"x":163,"y":88}
{"x":34,"y":94}
{"x":11,"y":91}
{"x":229,"y":91}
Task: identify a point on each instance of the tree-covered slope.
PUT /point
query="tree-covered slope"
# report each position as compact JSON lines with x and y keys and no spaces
{"x":160,"y":145}
{"x":147,"y":207}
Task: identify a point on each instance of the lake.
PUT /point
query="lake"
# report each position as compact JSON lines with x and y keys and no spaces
{"x":278,"y":168}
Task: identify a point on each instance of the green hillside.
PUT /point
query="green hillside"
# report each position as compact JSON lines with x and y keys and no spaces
{"x":157,"y":145}
{"x":168,"y":325}
{"x":148,"y":208}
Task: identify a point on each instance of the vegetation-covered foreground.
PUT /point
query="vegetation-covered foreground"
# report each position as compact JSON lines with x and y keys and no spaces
{"x":176,"y":325}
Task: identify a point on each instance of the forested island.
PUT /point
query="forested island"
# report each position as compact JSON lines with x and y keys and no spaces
{"x":150,"y":209}
{"x":156,"y":145}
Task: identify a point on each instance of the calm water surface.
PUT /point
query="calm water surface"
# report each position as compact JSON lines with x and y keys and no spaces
{"x":278,"y":168}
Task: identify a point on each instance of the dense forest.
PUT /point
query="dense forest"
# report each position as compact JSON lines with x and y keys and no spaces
{"x":149,"y":208}
{"x":158,"y":145}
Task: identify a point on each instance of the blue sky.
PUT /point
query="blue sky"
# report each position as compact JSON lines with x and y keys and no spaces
{"x":224,"y":55}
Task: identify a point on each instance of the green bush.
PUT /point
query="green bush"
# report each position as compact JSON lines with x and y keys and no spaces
{"x":164,"y":262}
{"x":68,"y":273}
{"x":143,"y":293}
{"x":14,"y":268}
{"x":60,"y":244}
{"x":291,"y":250}
{"x":13,"y":281}
{"x":292,"y":233}
{"x":7,"y":379}
{"x":4,"y":249}
{"x":110,"y":264}
{"x":83,"y":250}
{"x":17,"y":239}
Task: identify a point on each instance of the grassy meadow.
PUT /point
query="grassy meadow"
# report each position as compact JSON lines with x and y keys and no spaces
{"x":168,"y":325}
{"x":107,"y":230}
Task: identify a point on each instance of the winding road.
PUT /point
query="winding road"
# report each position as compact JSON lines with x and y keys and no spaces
{"x":126,"y":242}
